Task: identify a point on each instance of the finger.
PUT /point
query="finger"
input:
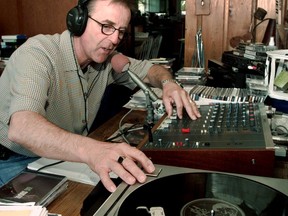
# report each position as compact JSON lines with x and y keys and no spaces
{"x":141,"y":158}
{"x":168,"y":107}
{"x":190,"y":109}
{"x":107,"y":182}
{"x":179,"y":105}
{"x":195,"y":109}
{"x":134,"y":170}
{"x":122,"y":172}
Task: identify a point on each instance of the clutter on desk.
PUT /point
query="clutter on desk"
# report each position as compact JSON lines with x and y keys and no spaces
{"x":9,"y":43}
{"x":30,"y":186}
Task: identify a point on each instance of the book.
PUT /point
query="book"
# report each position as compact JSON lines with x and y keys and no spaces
{"x":255,"y":53}
{"x":14,"y":37}
{"x":30,"y":186}
{"x":162,"y":60}
{"x":281,"y":81}
{"x":23,"y":210}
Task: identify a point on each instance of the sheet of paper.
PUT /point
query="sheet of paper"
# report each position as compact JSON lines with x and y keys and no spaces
{"x":78,"y":172}
{"x":23,"y":211}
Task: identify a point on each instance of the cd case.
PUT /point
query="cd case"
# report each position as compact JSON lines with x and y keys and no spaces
{"x":31,"y":186}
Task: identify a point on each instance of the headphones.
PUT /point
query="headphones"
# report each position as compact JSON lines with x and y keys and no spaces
{"x":77,"y":17}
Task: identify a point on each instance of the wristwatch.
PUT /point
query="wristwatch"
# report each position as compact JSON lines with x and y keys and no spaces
{"x":171,"y":80}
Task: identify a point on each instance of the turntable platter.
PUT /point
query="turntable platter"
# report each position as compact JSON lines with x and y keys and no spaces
{"x":205,"y":194}
{"x":178,"y":190}
{"x":208,"y":206}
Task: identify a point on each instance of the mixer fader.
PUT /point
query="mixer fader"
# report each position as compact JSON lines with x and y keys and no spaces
{"x":222,"y":125}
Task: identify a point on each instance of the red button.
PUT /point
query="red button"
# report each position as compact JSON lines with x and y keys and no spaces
{"x":185,"y":130}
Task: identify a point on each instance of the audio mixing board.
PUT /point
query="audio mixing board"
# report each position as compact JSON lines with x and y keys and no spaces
{"x":233,"y":137}
{"x":225,"y":125}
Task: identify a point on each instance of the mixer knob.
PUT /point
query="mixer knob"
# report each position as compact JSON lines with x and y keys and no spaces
{"x":164,"y":125}
{"x":160,"y":142}
{"x":173,"y":117}
{"x":168,"y":121}
{"x":186,"y":142}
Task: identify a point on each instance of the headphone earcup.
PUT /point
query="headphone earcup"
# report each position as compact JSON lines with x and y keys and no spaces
{"x":76,"y":20}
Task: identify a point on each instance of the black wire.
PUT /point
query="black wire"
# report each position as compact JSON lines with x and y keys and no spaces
{"x":254,"y":29}
{"x":48,"y":165}
{"x":80,"y":80}
{"x":125,"y":131}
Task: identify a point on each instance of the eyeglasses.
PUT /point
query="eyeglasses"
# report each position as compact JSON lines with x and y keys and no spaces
{"x":108,"y":29}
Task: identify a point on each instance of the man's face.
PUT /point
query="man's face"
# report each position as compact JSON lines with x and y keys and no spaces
{"x":96,"y":45}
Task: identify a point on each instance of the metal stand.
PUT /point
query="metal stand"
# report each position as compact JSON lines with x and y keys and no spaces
{"x":149,"y":123}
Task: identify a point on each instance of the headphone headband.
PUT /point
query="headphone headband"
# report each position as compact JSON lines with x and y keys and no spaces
{"x":82,"y":2}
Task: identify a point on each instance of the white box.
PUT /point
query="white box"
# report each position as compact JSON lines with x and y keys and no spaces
{"x":277,"y":61}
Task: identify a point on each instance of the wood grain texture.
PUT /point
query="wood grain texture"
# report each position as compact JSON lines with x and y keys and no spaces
{"x":227,"y":19}
{"x":70,"y":202}
{"x":33,"y":17}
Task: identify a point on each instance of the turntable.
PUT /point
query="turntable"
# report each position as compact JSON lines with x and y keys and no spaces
{"x":183,"y":191}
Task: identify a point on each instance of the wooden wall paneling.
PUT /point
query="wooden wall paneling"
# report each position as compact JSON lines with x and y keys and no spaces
{"x":20,"y":19}
{"x":227,"y":19}
{"x":281,"y":38}
{"x":45,"y":17}
{"x":270,"y":7}
{"x":239,"y":20}
{"x":212,"y":26}
{"x":213,"y":30}
{"x":9,"y":17}
{"x":190,"y":32}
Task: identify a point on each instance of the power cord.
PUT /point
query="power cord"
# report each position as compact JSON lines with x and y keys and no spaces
{"x":49,"y":165}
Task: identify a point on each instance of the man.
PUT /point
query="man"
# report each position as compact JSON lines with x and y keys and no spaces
{"x":51,"y":89}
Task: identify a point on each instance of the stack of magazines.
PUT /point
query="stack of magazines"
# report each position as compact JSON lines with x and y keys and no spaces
{"x":23,"y":210}
{"x":31,"y":191}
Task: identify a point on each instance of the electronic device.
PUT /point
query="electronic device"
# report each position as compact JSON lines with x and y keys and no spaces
{"x":232,"y":71}
{"x":229,"y":137}
{"x":250,"y":66}
{"x":76,"y":19}
{"x":184,"y":191}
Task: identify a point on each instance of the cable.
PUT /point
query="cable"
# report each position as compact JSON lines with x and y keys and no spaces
{"x":120,"y":125}
{"x":254,"y":29}
{"x":125,"y":131}
{"x":85,"y":95}
{"x":48,"y":165}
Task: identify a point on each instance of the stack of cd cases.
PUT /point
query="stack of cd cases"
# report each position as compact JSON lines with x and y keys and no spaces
{"x":199,"y":92}
{"x":189,"y":76}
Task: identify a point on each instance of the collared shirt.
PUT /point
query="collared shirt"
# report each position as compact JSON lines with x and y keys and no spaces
{"x":43,"y":76}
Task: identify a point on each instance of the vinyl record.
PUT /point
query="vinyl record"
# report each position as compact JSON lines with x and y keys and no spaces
{"x":205,"y":194}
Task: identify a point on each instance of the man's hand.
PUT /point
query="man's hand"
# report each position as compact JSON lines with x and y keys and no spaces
{"x":123,"y":160}
{"x":174,"y":95}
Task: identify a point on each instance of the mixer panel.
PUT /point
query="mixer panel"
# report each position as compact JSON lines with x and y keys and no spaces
{"x":222,"y":125}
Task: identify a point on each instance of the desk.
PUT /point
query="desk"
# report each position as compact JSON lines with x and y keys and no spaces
{"x":70,"y":202}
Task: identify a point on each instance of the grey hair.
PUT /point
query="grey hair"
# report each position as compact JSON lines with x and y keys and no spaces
{"x":130,"y":4}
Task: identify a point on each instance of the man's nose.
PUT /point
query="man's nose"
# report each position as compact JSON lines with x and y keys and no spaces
{"x":115,"y":37}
